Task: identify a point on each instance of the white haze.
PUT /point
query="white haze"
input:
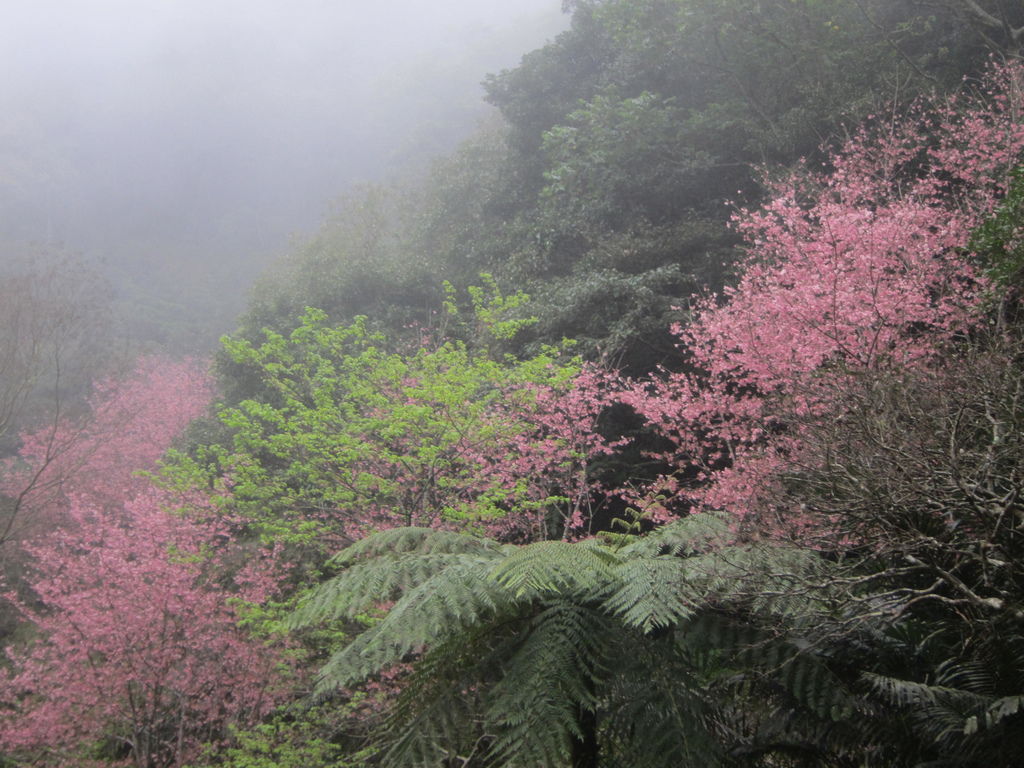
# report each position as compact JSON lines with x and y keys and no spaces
{"x":180,"y":142}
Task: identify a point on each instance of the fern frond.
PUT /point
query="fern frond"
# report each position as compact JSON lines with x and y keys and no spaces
{"x":943,"y":715}
{"x":397,"y":541}
{"x":770,"y":580}
{"x":360,"y":587}
{"x":436,"y":715}
{"x":653,"y":592}
{"x":814,"y":686}
{"x":707,"y":640}
{"x":789,"y":692}
{"x":547,"y":681}
{"x":996,"y":712}
{"x":658,"y":712}
{"x":444,"y":604}
{"x":953,"y":719}
{"x":910,"y":693}
{"x":703,"y":532}
{"x":553,"y":567}
{"x":788,"y":582}
{"x":975,"y":675}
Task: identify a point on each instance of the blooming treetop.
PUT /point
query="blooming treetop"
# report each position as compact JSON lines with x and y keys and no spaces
{"x":859,"y":266}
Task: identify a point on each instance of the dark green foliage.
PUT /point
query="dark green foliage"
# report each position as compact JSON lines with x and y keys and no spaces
{"x":943,"y":705}
{"x":540,"y":655}
{"x":604,"y":194}
{"x":958,"y":716}
{"x":617,"y":160}
{"x":923,"y":471}
{"x":549,"y":82}
{"x":634,"y":128}
{"x":999,"y":242}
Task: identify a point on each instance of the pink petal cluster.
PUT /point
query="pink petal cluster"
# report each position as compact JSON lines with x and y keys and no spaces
{"x":136,"y":644}
{"x":858,"y":267}
{"x":131,"y":422}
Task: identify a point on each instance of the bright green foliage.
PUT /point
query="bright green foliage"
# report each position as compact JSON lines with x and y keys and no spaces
{"x":557,"y":653}
{"x":494,"y":313}
{"x":353,"y":434}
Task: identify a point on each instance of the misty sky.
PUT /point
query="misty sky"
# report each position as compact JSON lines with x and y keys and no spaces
{"x":135,"y":130}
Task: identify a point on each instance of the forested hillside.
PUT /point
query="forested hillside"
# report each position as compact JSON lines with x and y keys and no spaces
{"x":675,"y":419}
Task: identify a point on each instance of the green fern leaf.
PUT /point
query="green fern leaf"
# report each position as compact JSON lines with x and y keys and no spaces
{"x":553,"y":567}
{"x":367,"y":583}
{"x":444,"y":604}
{"x":691,"y":535}
{"x":547,"y":681}
{"x":397,"y":541}
{"x":653,"y":593}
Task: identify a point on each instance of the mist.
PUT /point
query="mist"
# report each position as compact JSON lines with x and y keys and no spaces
{"x":181,"y":145}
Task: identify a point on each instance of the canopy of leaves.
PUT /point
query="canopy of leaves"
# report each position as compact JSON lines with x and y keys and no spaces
{"x":356,"y":434}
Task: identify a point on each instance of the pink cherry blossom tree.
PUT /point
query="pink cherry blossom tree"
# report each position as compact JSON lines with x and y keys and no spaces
{"x":137,"y":655}
{"x":132,"y":421}
{"x":856,"y":267}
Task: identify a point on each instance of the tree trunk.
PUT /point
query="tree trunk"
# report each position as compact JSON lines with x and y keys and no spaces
{"x":585,"y":751}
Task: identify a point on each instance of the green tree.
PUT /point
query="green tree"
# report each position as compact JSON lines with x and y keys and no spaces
{"x":355,"y":433}
{"x":630,"y":132}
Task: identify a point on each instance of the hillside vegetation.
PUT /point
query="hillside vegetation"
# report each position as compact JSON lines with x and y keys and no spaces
{"x":676,"y":419}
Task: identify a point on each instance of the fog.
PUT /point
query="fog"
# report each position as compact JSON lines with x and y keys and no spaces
{"x":182,"y":143}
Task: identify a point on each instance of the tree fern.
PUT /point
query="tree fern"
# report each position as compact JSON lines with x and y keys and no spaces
{"x":686,"y":536}
{"x":445,"y":603}
{"x":653,"y":592}
{"x":397,"y":541}
{"x":552,"y":567}
{"x":653,"y":711}
{"x":966,"y":726}
{"x":368,"y":583}
{"x":553,"y":652}
{"x":547,"y":680}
